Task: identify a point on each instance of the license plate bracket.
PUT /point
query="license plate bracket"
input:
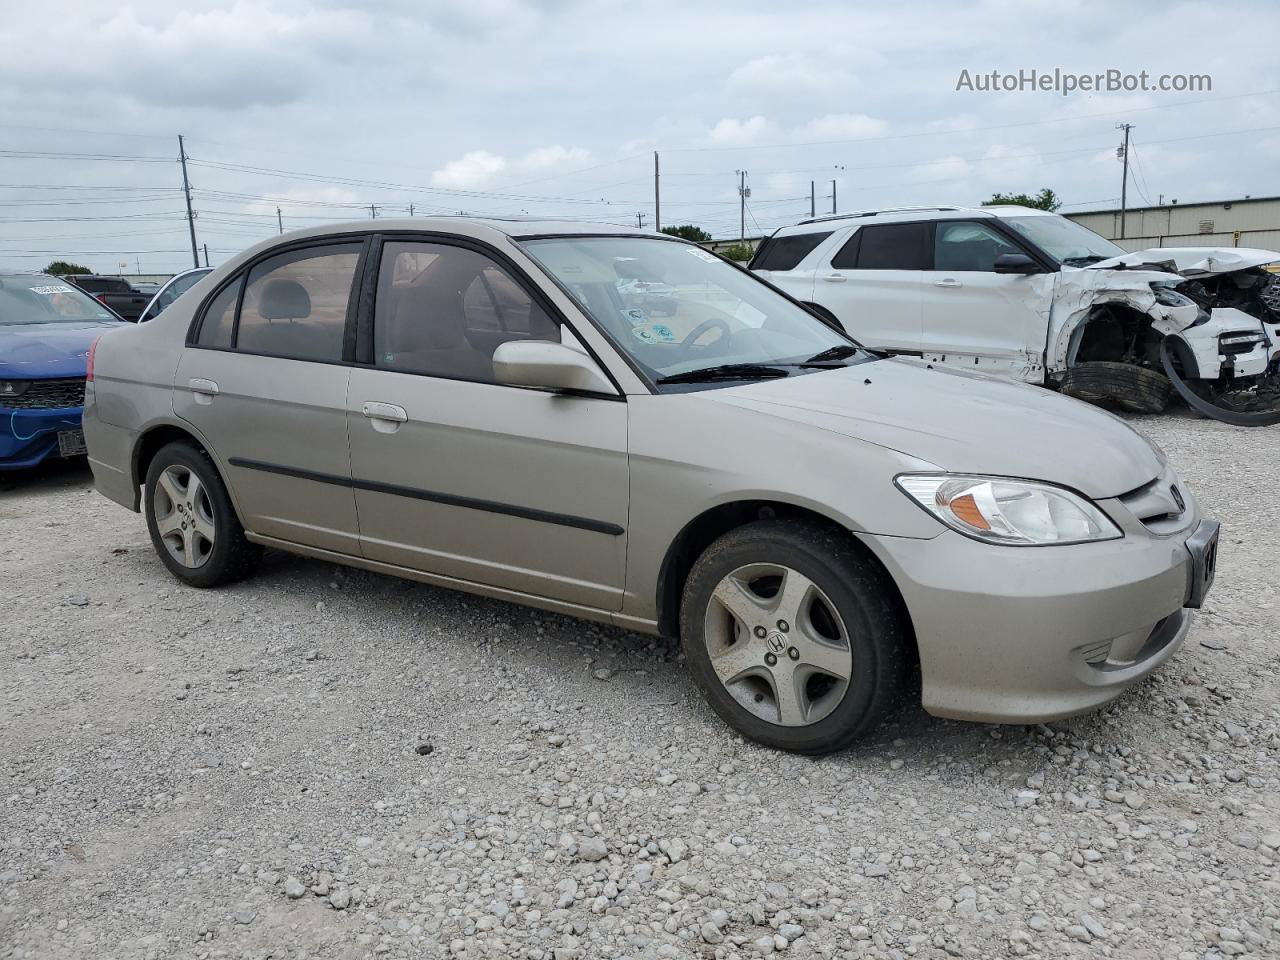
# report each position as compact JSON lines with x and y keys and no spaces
{"x":1202,"y":545}
{"x":71,"y":443}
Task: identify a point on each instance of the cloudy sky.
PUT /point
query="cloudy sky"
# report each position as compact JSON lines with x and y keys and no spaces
{"x":500,"y":107}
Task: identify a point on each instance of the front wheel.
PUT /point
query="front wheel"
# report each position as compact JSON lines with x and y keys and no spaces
{"x":193,"y":525}
{"x":797,"y":639}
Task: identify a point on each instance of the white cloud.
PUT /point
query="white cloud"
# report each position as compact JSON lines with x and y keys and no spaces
{"x":842,"y":126}
{"x":470,"y":171}
{"x":549,"y":159}
{"x":732,"y":132}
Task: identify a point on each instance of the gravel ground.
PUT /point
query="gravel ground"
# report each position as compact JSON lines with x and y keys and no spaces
{"x":329,"y":763}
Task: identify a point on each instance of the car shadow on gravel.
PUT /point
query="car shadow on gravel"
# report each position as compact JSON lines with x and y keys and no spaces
{"x":52,"y":476}
{"x":634,"y":675}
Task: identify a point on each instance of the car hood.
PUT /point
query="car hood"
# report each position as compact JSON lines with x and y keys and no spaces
{"x":38,"y":350}
{"x":1193,"y":261}
{"x":963,"y":423}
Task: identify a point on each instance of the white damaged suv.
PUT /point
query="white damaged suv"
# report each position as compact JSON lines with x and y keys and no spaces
{"x":1028,"y":295}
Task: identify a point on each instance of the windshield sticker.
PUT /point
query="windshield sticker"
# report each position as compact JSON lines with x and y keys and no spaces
{"x":635,"y":315}
{"x":51,"y":289}
{"x":703,"y":255}
{"x":653,"y":333}
{"x":749,"y":315}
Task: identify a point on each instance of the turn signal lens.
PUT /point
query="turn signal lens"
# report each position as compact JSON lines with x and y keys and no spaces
{"x":1009,"y":511}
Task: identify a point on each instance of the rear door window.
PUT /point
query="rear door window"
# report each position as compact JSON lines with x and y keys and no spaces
{"x":886,"y":246}
{"x":295,"y":303}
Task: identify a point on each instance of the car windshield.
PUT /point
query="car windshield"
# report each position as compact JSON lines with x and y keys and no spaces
{"x":1064,"y":240}
{"x":36,"y":299}
{"x":675,"y":309}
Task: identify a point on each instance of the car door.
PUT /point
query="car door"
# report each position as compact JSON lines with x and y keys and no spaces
{"x":872,"y":285}
{"x":265,"y":383}
{"x":466,"y":478}
{"x":978,"y":319}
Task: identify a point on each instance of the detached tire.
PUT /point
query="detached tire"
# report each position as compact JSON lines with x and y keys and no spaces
{"x":1103,"y":381}
{"x":796,"y":639}
{"x":194,"y":528}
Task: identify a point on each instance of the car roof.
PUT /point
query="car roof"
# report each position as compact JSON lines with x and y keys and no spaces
{"x":907,"y":215}
{"x":479,"y":227}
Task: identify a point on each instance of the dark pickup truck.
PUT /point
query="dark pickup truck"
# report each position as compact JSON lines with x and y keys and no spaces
{"x":115,"y":293}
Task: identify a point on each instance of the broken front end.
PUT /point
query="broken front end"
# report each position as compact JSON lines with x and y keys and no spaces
{"x":1208,"y":328}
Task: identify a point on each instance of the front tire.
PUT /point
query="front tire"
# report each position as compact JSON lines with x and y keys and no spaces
{"x":193,"y":525}
{"x":796,"y":638}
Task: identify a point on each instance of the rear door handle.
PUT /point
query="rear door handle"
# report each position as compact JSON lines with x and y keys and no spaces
{"x":948,"y":282}
{"x":834,"y":278}
{"x":203,"y":390}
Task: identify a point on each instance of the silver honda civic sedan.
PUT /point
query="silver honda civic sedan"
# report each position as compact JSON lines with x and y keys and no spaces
{"x":621,"y":426}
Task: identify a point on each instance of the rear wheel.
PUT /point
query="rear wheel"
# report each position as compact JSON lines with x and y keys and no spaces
{"x":1134,"y":388}
{"x":796,"y":639}
{"x":193,"y":525}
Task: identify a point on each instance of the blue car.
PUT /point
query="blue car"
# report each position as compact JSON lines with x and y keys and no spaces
{"x":46,"y":328}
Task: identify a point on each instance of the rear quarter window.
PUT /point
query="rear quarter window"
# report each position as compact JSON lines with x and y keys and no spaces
{"x":786,"y":253}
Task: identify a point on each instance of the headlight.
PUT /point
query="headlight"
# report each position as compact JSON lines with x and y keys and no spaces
{"x":1014,"y":512}
{"x":1169,"y":297}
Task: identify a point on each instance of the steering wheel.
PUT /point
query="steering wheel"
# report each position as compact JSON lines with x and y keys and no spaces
{"x":703,"y":327}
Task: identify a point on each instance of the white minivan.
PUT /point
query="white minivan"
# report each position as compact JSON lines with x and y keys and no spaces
{"x":1028,"y":295}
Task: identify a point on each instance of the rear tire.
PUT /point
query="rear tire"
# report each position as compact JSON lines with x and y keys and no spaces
{"x":796,"y":638}
{"x":194,"y":527}
{"x":1134,"y":388}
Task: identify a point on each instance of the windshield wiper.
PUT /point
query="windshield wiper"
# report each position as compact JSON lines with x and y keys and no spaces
{"x":839,"y":352}
{"x":1084,"y":261}
{"x":725,"y":371}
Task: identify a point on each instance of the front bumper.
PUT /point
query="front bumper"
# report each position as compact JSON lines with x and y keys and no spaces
{"x":1032,"y":634}
{"x":27,"y":437}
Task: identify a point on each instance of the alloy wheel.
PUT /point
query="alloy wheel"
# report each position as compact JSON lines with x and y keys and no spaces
{"x":184,"y":516}
{"x":778,"y":644}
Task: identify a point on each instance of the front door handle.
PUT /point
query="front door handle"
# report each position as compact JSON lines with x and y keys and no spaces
{"x":384,"y":411}
{"x":835,"y":278}
{"x":203,"y":390}
{"x":948,"y":282}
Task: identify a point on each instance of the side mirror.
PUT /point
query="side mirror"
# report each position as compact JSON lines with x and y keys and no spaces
{"x":1016,"y":263}
{"x":553,"y":366}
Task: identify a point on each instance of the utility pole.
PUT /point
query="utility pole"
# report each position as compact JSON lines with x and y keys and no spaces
{"x":373,"y":212}
{"x":186,"y":190}
{"x":279,"y":220}
{"x":813,"y":211}
{"x":833,"y":196}
{"x":411,"y":209}
{"x":206,"y":255}
{"x":743,"y":192}
{"x":657,"y":196}
{"x":640,"y":220}
{"x":1123,"y":151}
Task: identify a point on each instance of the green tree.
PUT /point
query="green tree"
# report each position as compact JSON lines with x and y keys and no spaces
{"x":688,"y":232}
{"x":739,"y":252}
{"x":61,"y":268}
{"x":1046,"y":199}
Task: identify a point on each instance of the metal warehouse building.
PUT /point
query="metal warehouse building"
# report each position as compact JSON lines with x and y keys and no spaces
{"x":1247,"y":222}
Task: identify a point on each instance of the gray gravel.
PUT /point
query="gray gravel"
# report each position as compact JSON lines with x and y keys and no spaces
{"x":328,"y":763}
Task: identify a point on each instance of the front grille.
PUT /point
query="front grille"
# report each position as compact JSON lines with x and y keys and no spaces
{"x":47,"y":395}
{"x":1159,"y":505}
